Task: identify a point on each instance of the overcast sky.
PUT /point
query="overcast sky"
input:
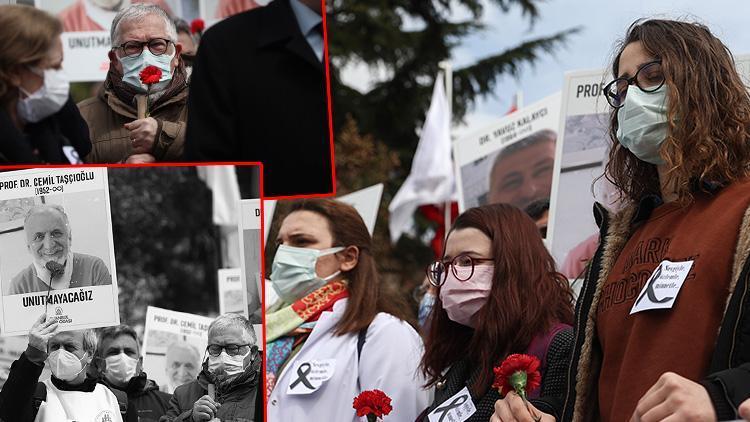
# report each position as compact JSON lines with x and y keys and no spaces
{"x":603,"y":23}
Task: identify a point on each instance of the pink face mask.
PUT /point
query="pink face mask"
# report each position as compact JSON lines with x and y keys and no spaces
{"x":463,"y":299}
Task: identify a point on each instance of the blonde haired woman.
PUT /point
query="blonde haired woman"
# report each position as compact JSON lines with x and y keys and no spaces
{"x":39,"y":123}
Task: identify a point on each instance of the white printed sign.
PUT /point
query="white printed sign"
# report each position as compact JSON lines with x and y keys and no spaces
{"x":174,"y":345}
{"x":579,"y":159}
{"x":232,"y":295}
{"x":510,"y":161}
{"x":457,"y":408}
{"x":56,"y":249}
{"x":310,"y":375}
{"x":663,"y":286}
{"x":249,"y":226}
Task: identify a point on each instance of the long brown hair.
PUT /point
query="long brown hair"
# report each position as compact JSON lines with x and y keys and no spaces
{"x":26,"y":36}
{"x":367,"y":295}
{"x":527,"y":297}
{"x":708,"y":110}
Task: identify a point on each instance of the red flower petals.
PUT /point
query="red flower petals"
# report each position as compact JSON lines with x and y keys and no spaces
{"x":518,"y":372}
{"x":372,"y":402}
{"x":150,"y":75}
{"x":197,"y":25}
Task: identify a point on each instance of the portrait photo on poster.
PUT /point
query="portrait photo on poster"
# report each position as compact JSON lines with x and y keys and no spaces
{"x":511,"y":161}
{"x":173,"y":346}
{"x":56,"y":249}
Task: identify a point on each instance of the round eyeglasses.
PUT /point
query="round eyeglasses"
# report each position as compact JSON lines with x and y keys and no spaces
{"x":648,"y":78}
{"x":157,"y":47}
{"x":437,"y":272}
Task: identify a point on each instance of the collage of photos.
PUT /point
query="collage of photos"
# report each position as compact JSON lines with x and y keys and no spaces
{"x":357,"y":210}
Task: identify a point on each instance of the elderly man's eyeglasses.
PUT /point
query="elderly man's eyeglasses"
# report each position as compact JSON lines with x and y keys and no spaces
{"x":462,"y":267}
{"x":231,"y":349}
{"x":648,"y":78}
{"x":157,"y":47}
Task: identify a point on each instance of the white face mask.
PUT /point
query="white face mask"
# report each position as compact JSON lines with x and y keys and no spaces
{"x":132,"y":67}
{"x":120,"y":368}
{"x":231,"y":365}
{"x":293,"y":272}
{"x":642,"y":123}
{"x":48,"y":99}
{"x":65,"y":365}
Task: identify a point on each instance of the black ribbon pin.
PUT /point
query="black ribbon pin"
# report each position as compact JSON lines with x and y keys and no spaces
{"x":458,"y":401}
{"x":302,"y":374}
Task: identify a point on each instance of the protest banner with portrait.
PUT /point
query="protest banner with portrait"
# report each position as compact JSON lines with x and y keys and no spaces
{"x":56,"y":249}
{"x":232,"y":294}
{"x":213,"y":11}
{"x":249,"y":227}
{"x":580,"y":157}
{"x":510,"y":161}
{"x":174,"y":346}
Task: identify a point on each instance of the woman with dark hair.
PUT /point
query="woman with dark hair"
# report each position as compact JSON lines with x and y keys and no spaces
{"x":499,"y":294}
{"x":662,"y":328}
{"x":39,"y":122}
{"x":335,"y":330}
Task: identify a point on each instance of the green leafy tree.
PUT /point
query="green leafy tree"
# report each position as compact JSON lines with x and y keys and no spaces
{"x":374,"y":32}
{"x":166,"y":246}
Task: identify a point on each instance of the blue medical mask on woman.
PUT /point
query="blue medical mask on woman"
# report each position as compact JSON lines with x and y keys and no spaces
{"x":293,"y":271}
{"x":132,"y":67}
{"x":642,"y":123}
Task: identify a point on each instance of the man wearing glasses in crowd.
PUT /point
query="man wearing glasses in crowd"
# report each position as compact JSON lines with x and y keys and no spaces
{"x":142,"y":35}
{"x":228,"y":388}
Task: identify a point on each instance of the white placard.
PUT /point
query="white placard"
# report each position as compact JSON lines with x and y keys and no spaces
{"x":367,"y":203}
{"x":581,"y":150}
{"x":72,"y":227}
{"x":511,"y":160}
{"x":174,"y":345}
{"x":232,"y":295}
{"x":269,"y":207}
{"x":250,"y":255}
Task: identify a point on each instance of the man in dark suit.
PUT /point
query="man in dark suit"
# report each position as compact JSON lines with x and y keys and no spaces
{"x":258,"y":94}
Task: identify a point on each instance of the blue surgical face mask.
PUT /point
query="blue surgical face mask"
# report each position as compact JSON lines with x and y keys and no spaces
{"x":293,"y":271}
{"x":132,"y":67}
{"x":642,"y":123}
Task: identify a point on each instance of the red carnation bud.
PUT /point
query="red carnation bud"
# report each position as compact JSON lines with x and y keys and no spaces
{"x":197,"y":25}
{"x":373,"y":404}
{"x":150,"y":75}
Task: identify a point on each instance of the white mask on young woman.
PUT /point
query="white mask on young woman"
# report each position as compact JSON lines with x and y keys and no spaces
{"x":48,"y":99}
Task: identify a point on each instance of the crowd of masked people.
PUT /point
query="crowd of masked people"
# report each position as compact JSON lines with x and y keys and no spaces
{"x":235,"y":102}
{"x":97,"y":375}
{"x":660,"y":330}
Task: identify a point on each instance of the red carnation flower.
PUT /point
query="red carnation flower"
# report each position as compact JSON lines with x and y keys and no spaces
{"x":197,"y":25}
{"x":150,"y":75}
{"x":519,"y":373}
{"x":373,"y":404}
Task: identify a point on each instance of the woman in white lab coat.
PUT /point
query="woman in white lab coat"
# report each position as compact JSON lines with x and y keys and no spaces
{"x":335,"y":331}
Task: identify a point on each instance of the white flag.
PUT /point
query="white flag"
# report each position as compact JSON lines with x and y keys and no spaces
{"x":431,"y":178}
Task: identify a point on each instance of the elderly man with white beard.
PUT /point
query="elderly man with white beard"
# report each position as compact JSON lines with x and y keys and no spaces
{"x":143,"y":35}
{"x":54,"y":265}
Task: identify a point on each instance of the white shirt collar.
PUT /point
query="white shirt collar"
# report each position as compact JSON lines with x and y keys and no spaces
{"x":307,"y":19}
